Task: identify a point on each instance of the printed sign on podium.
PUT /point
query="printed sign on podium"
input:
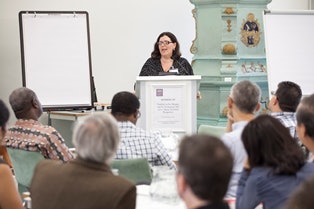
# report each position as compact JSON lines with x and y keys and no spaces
{"x":168,"y":103}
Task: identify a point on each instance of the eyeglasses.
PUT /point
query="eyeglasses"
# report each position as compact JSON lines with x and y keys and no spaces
{"x":164,"y":42}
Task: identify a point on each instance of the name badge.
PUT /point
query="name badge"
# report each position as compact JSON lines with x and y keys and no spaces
{"x":174,"y":70}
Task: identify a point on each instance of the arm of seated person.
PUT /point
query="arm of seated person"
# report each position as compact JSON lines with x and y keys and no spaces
{"x":247,"y":197}
{"x":229,"y":122}
{"x":9,"y":196}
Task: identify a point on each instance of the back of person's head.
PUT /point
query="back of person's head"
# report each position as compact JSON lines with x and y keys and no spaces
{"x":305,"y":115}
{"x":124,"y":103}
{"x":176,"y":54}
{"x":269,"y":143}
{"x":22,"y":100}
{"x":302,"y":197}
{"x":4,"y":116}
{"x":288,"y":95}
{"x":246,"y":95}
{"x":96,"y":138}
{"x":206,"y":164}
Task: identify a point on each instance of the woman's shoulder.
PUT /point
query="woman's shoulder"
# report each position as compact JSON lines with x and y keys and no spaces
{"x":260,"y":171}
{"x":153,"y":59}
{"x":182,"y":59}
{"x":307,"y":168}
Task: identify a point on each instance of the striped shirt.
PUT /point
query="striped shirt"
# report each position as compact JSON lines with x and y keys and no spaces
{"x":288,"y":119}
{"x":138,"y":143}
{"x":31,"y":135}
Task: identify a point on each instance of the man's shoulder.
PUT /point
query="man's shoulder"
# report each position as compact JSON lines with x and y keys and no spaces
{"x":235,"y":135}
{"x":286,"y":118}
{"x":282,"y":115}
{"x":230,"y":137}
{"x":236,"y":132}
{"x":129,"y":129}
{"x":31,"y":126}
{"x":48,"y":166}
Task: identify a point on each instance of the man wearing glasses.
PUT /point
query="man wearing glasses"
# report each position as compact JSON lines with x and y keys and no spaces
{"x":284,"y":103}
{"x":136,"y":142}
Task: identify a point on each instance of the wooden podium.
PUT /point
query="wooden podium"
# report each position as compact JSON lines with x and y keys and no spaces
{"x":168,"y":103}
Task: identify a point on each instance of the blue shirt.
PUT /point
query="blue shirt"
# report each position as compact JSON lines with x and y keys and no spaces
{"x":261,"y":186}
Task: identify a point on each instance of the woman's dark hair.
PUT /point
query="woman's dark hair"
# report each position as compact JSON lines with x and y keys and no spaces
{"x":269,"y":143}
{"x":176,"y":53}
{"x":4,"y":115}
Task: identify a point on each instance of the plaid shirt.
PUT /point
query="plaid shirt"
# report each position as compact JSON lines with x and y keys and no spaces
{"x":288,"y":119}
{"x":31,"y":135}
{"x":137,"y":143}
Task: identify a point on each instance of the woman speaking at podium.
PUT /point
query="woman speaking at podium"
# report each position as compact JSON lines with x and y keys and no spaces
{"x":166,"y":58}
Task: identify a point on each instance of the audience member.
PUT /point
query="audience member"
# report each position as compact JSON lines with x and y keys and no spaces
{"x":283,"y":104}
{"x":302,"y":197}
{"x":136,"y":142}
{"x":204,"y":170}
{"x":87,"y":181}
{"x":242,"y":103}
{"x":28,"y":133}
{"x":166,"y":58}
{"x":275,"y":166}
{"x":305,"y":123}
{"x":9,"y":195}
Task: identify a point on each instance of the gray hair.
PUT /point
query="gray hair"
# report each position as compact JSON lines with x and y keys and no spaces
{"x":96,"y":138}
{"x":21,"y":100}
{"x":246,"y":95}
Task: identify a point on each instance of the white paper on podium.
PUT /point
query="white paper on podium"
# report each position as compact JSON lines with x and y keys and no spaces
{"x":167,"y":107}
{"x":168,"y":103}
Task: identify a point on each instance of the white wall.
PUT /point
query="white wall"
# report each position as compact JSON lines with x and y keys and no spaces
{"x":289,"y":5}
{"x":122,"y":36}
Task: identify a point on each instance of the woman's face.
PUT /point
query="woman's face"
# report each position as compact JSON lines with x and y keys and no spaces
{"x":166,"y":47}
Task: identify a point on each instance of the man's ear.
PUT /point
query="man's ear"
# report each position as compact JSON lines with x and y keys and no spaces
{"x":35,"y":103}
{"x":258,"y":106}
{"x":181,"y":184}
{"x":134,"y":115}
{"x":301,"y":131}
{"x":229,"y":102}
{"x":275,"y":101}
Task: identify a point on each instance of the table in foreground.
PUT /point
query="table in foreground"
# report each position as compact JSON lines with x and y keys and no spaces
{"x":144,"y":201}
